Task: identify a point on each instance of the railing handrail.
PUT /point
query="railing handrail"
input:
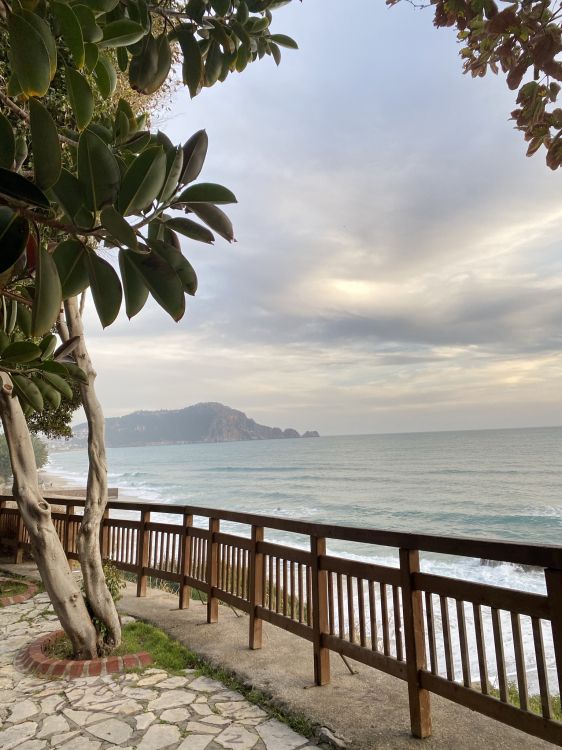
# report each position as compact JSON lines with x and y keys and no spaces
{"x":540,"y":555}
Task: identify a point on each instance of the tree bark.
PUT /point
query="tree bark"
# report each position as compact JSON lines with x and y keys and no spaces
{"x":97,"y":593}
{"x":46,"y":547}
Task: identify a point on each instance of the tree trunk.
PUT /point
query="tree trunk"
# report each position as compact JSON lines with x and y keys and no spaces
{"x":46,"y":547}
{"x":97,"y":594}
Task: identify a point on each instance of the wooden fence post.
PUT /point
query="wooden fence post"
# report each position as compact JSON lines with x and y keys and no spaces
{"x":18,"y":553}
{"x":319,"y":611}
{"x":66,"y":539}
{"x":554,"y":591}
{"x":256,"y":587}
{"x":212,"y":570}
{"x":412,"y":607}
{"x":104,"y":536}
{"x":185,"y":567}
{"x":142,"y":552}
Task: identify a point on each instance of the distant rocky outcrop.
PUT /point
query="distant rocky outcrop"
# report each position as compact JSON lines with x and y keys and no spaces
{"x":201,"y":423}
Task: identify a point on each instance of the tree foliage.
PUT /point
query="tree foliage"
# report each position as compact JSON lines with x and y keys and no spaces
{"x":81,"y":173}
{"x":523,"y":40}
{"x":39,"y":449}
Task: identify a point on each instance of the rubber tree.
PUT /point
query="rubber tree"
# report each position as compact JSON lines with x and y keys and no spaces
{"x":106,"y":182}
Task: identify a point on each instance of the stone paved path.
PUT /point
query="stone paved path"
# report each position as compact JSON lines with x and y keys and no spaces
{"x":148,"y":711}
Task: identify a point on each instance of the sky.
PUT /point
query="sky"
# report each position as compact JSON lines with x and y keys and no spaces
{"x":398,"y":264}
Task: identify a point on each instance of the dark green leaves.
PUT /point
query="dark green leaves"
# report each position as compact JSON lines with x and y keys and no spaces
{"x":71,"y":31}
{"x":194,"y":153}
{"x":121,"y":33}
{"x":81,"y":97}
{"x":98,"y":171}
{"x":21,"y":351}
{"x":192,"y":66}
{"x":15,"y":186}
{"x":162,"y":281}
{"x":150,"y":67}
{"x":105,"y":75}
{"x":48,"y":294}
{"x":191,"y":229}
{"x":7,"y":143}
{"x":173,"y":256}
{"x":28,"y":391}
{"x":207,"y":192}
{"x":284,"y":41}
{"x":30,"y":53}
{"x":70,"y":196}
{"x":106,"y":288}
{"x":118,"y":228}
{"x":143,"y":181}
{"x":14,"y":231}
{"x":136,"y":291}
{"x":214,"y":218}
{"x":70,"y":259}
{"x":47,"y":158}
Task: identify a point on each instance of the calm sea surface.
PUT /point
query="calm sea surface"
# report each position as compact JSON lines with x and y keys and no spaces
{"x":504,"y":484}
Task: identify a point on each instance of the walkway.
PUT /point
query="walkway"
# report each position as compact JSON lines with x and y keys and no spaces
{"x":148,"y":711}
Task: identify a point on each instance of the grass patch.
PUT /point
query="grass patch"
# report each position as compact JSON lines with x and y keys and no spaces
{"x":166,"y":653}
{"x":533,"y":701}
{"x":12,"y":588}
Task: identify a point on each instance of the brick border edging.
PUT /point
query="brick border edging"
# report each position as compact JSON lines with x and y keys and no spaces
{"x":32,"y":658}
{"x":31,"y":590}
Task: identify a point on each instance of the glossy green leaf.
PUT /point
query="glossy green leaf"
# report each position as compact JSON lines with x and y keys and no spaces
{"x":58,"y":382}
{"x":51,"y":396}
{"x":207,"y":192}
{"x":7,"y":143}
{"x":91,"y":56}
{"x":192,"y":65}
{"x":14,"y":231}
{"x":15,"y":186}
{"x":81,"y":97}
{"x":175,"y":258}
{"x":90,"y":30}
{"x":174,"y":169}
{"x":213,"y":64}
{"x":214,"y":218}
{"x":284,"y":41}
{"x":194,"y":154}
{"x":122,"y":59}
{"x":98,"y":171}
{"x":143,"y":181}
{"x":102,"y":6}
{"x":21,"y":352}
{"x":28,"y":391}
{"x":191,"y":229}
{"x":221,"y":7}
{"x":162,"y":281}
{"x":149,"y":69}
{"x":70,"y":196}
{"x":21,"y":151}
{"x":23,"y":319}
{"x":106,"y":288}
{"x":106,"y":77}
{"x":76,"y":373}
{"x":275,"y":52}
{"x":47,"y":156}
{"x":121,"y":33}
{"x":44,"y":30}
{"x":70,"y":259}
{"x":48,"y":294}
{"x":134,"y":288}
{"x":48,"y":344}
{"x":71,"y":32}
{"x":30,"y":57}
{"x":118,"y":228}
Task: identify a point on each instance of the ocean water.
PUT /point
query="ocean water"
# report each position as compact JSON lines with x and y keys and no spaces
{"x":503,"y":484}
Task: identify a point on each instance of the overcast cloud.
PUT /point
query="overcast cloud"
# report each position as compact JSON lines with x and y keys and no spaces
{"x":399,"y":260}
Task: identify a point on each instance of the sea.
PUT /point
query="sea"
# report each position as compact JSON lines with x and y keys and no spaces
{"x":495,"y":484}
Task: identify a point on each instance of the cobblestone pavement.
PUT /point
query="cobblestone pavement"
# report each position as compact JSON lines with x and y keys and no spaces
{"x":152,"y":710}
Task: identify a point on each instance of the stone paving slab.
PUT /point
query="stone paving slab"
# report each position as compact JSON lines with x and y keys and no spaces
{"x":151,"y":710}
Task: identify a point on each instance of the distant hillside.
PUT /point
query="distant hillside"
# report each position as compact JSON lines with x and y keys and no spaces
{"x":201,"y":423}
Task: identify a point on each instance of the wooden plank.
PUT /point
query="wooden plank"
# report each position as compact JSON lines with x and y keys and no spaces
{"x":359,"y":569}
{"x":350,"y":609}
{"x":234,"y":601}
{"x":293,"y":591}
{"x":212,"y":571}
{"x":519,"y":661}
{"x":463,"y":643}
{"x":331,"y":610}
{"x":234,"y":541}
{"x":447,"y":647}
{"x":414,"y":637}
{"x":431,"y":640}
{"x":366,"y":656}
{"x":551,"y":731}
{"x":285,"y":623}
{"x":397,"y":623}
{"x":319,"y":612}
{"x":554,"y":590}
{"x":500,"y":656}
{"x":185,"y":563}
{"x":373,"y":616}
{"x":256,"y":587}
{"x":542,"y":673}
{"x":511,"y":600}
{"x":361,"y":605}
{"x":285,"y":553}
{"x":481,"y":649}
{"x":341,"y":629}
{"x":301,"y":593}
{"x":142,"y":552}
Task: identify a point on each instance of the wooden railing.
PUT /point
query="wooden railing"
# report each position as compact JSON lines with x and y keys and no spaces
{"x":428,"y":630}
